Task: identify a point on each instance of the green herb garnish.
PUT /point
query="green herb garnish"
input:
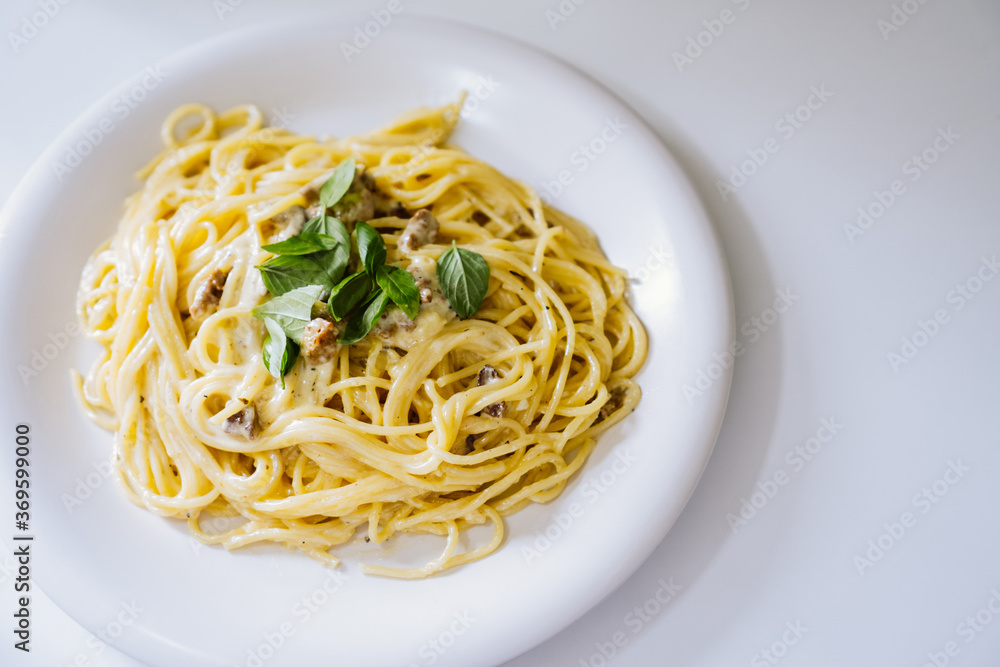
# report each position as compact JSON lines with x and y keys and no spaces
{"x":364,"y":318}
{"x":318,"y":255}
{"x":338,"y":184}
{"x":401,"y":288}
{"x":329,"y":225}
{"x":280,"y":352}
{"x":304,"y":243}
{"x":292,"y":311}
{"x":464,"y":276}
{"x":286,"y":273}
{"x":313,"y":263}
{"x":349,"y":293}
{"x":371,"y":248}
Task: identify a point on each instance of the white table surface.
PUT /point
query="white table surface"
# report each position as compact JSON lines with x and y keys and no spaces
{"x":878,"y":547}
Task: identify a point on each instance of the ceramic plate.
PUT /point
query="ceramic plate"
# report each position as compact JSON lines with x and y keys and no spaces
{"x":170,"y":601}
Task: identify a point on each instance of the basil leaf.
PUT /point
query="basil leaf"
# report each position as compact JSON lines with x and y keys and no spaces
{"x":291,"y":311}
{"x":401,"y":288}
{"x":349,"y":293}
{"x":302,"y":244}
{"x":286,"y":273}
{"x":280,"y":353}
{"x":275,"y":348}
{"x":371,"y":247}
{"x":364,"y":318}
{"x":329,"y":225}
{"x":333,"y":262}
{"x":338,"y":184}
{"x":464,"y":276}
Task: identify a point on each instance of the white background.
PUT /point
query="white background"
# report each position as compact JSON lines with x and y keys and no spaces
{"x":801,"y":559}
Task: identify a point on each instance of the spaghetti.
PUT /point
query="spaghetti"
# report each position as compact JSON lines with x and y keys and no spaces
{"x":430,"y":425}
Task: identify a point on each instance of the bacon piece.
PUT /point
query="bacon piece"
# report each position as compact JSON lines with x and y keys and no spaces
{"x":243,"y":423}
{"x":208,"y":295}
{"x":489,"y":375}
{"x":420,"y":230}
{"x":614,"y":403}
{"x":319,"y":341}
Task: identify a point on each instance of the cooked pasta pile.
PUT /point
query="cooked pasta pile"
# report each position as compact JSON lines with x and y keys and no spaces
{"x":426,"y":425}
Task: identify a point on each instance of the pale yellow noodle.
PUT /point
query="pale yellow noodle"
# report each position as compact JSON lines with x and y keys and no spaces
{"x":379,"y":439}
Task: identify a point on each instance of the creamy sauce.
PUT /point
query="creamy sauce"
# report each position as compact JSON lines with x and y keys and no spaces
{"x":398,"y":330}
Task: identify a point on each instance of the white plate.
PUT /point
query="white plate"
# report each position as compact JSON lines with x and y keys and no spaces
{"x":205,"y":606}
